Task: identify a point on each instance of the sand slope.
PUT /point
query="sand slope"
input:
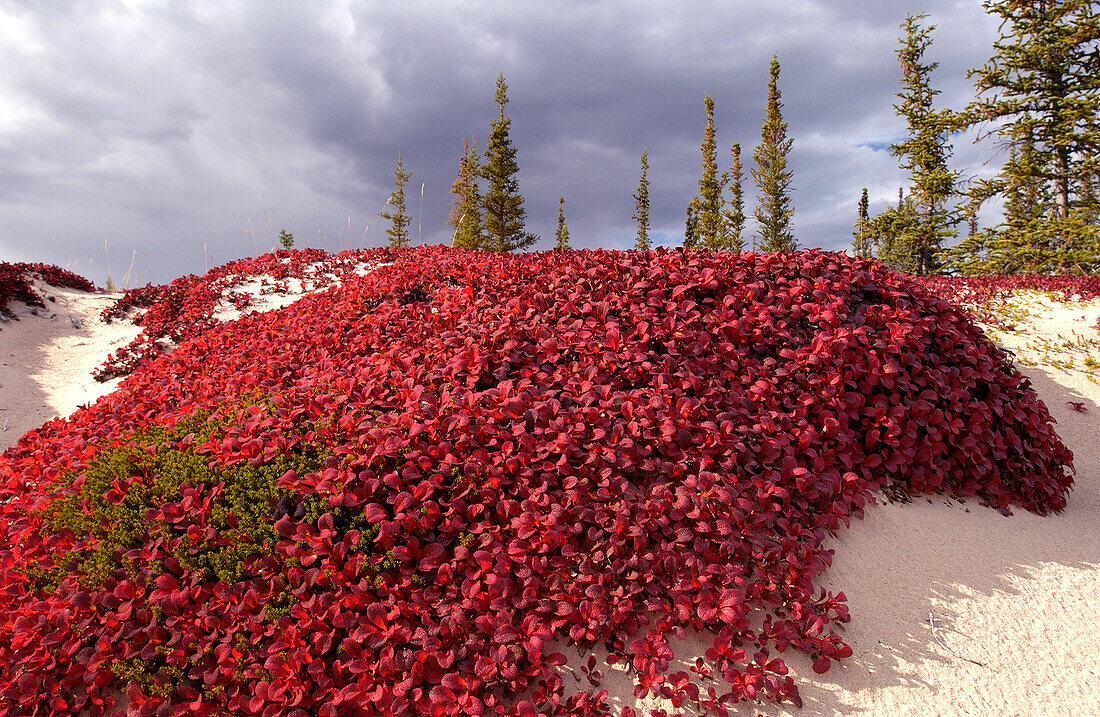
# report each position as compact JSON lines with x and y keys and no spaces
{"x":47,"y":358}
{"x":1020,"y":594}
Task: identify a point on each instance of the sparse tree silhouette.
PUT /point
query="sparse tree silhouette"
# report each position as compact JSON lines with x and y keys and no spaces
{"x":398,"y":231}
{"x":707,"y":203}
{"x":562,"y":233}
{"x":502,"y":205}
{"x":733,"y":214}
{"x":465,"y":214}
{"x":691,"y":239}
{"x":924,"y":153}
{"x":771,"y":175}
{"x":861,"y":237}
{"x":641,"y":206}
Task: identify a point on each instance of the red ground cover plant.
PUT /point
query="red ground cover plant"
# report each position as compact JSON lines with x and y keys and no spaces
{"x":172,"y":313}
{"x":15,"y":283}
{"x":984,"y":288}
{"x":389,"y":498}
{"x":980,"y":294}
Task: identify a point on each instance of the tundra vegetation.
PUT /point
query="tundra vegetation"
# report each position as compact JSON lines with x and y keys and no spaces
{"x":395,"y":495}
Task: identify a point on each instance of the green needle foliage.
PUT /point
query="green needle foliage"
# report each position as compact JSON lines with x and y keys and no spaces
{"x":1040,"y":94}
{"x":924,"y":153}
{"x":733,"y":215}
{"x":691,"y":240}
{"x":771,"y":175}
{"x":504,"y":214}
{"x":896,"y":232}
{"x":562,"y":233}
{"x":398,"y":231}
{"x":286,"y":239}
{"x":707,"y":203}
{"x":641,"y":206}
{"x":861,"y":231}
{"x":466,"y":210}
{"x":714,"y":226}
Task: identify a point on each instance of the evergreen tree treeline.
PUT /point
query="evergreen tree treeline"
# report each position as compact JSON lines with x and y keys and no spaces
{"x":502,"y":205}
{"x":562,"y":233}
{"x":912,"y":234}
{"x":1039,"y":95}
{"x":465,"y":214}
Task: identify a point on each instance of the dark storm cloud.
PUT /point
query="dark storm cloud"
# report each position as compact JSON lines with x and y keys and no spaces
{"x":164,"y":127}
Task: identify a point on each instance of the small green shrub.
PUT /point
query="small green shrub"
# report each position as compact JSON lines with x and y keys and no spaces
{"x":133,"y":490}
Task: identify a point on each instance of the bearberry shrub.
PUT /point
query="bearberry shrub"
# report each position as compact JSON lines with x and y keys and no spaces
{"x":391,"y":497}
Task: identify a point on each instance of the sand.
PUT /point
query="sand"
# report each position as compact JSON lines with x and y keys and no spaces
{"x":1018,"y":594}
{"x":48,"y":355}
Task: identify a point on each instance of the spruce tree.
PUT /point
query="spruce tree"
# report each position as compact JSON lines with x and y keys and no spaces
{"x":466,"y":209}
{"x":1043,"y":84}
{"x":925,"y":151}
{"x":691,"y":240}
{"x":707,"y":203}
{"x":641,"y":206}
{"x":771,"y":175}
{"x":398,"y":231}
{"x":458,"y":188}
{"x":861,"y":237}
{"x":1040,"y":94}
{"x":502,"y":205}
{"x":896,"y":233}
{"x":733,"y":215}
{"x":562,"y":233}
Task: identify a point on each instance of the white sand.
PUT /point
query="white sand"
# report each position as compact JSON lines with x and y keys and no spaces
{"x":271,"y":294}
{"x":1020,"y":594}
{"x":47,"y":360}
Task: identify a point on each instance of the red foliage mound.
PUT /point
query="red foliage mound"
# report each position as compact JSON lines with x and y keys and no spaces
{"x":15,"y":283}
{"x":389,"y":498}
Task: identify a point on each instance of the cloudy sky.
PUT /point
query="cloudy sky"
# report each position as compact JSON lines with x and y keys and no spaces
{"x":163,"y":126}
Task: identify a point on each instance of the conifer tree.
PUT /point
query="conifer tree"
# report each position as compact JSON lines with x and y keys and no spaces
{"x":502,"y":205}
{"x":1040,"y":94}
{"x":398,"y":231}
{"x":896,"y":232}
{"x":691,"y":240}
{"x":861,"y":241}
{"x":562,"y":233}
{"x":733,"y":215}
{"x":641,"y":206}
{"x":707,"y":203}
{"x":925,"y":151}
{"x":466,"y":209}
{"x":1043,"y":84}
{"x":771,"y":175}
{"x":458,"y":188}
{"x":971,"y":254}
{"x":1027,"y":196}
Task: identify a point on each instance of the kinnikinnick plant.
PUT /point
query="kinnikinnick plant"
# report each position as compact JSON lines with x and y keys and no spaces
{"x":398,"y":495}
